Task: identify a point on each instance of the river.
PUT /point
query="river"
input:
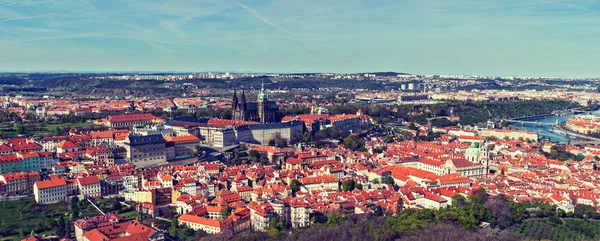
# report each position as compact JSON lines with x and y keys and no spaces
{"x":547,"y":131}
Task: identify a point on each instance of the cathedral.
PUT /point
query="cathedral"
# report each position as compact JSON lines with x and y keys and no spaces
{"x":262,"y":110}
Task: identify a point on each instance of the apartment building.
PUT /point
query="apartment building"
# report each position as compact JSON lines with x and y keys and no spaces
{"x":50,"y":191}
{"x":145,"y":150}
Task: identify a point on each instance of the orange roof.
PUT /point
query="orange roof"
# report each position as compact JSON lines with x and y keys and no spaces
{"x":89,"y":180}
{"x":199,"y":220}
{"x":30,"y":155}
{"x":185,"y":138}
{"x":101,"y":134}
{"x":476,"y":138}
{"x":67,"y":144}
{"x":318,"y":179}
{"x":131,"y":117}
{"x":50,"y":183}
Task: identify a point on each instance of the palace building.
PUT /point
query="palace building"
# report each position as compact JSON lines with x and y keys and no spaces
{"x":262,"y":110}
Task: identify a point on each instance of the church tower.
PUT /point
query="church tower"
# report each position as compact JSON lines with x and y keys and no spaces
{"x":234,"y":101}
{"x":243,"y":111}
{"x":262,"y":104}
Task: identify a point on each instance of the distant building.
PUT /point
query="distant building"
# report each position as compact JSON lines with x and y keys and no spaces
{"x":86,"y":224}
{"x":263,"y":133}
{"x":510,"y":134}
{"x":262,"y":110}
{"x":50,"y":191}
{"x":19,"y":183}
{"x":184,"y":146}
{"x":132,"y":230}
{"x":145,"y":150}
{"x":130,"y":120}
{"x":415,"y":97}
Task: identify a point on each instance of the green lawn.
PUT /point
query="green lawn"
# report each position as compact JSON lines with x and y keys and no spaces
{"x":19,"y":218}
{"x":132,"y":215}
{"x":76,"y":125}
{"x":47,"y":130}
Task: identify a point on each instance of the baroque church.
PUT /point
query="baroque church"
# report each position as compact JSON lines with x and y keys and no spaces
{"x":262,"y":110}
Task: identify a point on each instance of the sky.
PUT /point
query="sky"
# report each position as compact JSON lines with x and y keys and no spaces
{"x":473,"y":37}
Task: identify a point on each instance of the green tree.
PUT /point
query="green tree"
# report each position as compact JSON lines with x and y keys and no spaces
{"x":225,"y":212}
{"x":458,"y":200}
{"x":60,"y":227}
{"x":276,"y":224}
{"x":295,"y":185}
{"x":20,"y":129}
{"x":348,"y":185}
{"x":67,"y":229}
{"x":334,"y":219}
{"x":358,"y":186}
{"x":254,"y":154}
{"x":117,"y":206}
{"x":387,"y":180}
{"x":353,"y":143}
{"x":307,"y":137}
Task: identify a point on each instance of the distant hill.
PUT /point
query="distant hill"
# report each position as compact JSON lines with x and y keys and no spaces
{"x":384,"y":74}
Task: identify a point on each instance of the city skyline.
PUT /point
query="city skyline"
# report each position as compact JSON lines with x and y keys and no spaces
{"x":507,"y":38}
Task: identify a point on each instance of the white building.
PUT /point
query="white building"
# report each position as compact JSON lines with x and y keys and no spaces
{"x":50,"y":191}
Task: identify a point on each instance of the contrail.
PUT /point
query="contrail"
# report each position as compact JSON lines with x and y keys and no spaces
{"x":260,"y":17}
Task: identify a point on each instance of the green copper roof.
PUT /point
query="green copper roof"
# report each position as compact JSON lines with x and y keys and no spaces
{"x":261,"y":94}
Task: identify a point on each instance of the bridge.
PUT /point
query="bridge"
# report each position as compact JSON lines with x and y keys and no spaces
{"x":585,"y":142}
{"x":523,"y":122}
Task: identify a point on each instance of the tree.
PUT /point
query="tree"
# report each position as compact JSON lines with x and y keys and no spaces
{"x":253,"y":154}
{"x":67,"y":230}
{"x":117,"y":206}
{"x":307,"y":137}
{"x":358,"y":186}
{"x":225,"y":211}
{"x":280,"y":142}
{"x":348,"y":185}
{"x":499,"y":206}
{"x":353,"y":143}
{"x":225,"y":114}
{"x":75,"y":214}
{"x":387,"y":180}
{"x":20,"y":129}
{"x":479,"y":196}
{"x":262,"y":160}
{"x":412,"y":126}
{"x":295,"y":185}
{"x":334,"y":219}
{"x":60,"y":226}
{"x":174,"y":227}
{"x":276,"y":224}
{"x":73,"y":202}
{"x":458,"y":200}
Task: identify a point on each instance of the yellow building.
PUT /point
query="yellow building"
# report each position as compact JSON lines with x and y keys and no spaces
{"x":144,"y":197}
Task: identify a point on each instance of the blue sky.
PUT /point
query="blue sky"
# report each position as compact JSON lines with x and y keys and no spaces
{"x":489,"y":37}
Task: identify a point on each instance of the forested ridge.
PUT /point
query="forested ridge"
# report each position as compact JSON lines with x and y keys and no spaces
{"x":508,"y":220}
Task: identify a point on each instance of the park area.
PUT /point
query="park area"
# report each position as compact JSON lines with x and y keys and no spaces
{"x":23,"y":218}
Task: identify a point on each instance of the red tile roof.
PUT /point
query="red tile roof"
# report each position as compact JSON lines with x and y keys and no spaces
{"x":200,"y":220}
{"x":89,"y":180}
{"x":67,"y":144}
{"x":50,"y":183}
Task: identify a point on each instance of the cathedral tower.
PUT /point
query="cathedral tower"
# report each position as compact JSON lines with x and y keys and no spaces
{"x":262,"y":102}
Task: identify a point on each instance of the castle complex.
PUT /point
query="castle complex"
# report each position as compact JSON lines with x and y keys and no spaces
{"x":262,"y":110}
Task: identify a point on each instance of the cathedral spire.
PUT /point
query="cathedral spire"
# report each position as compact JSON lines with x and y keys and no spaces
{"x":261,"y":94}
{"x":243,"y":101}
{"x":234,"y":100}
